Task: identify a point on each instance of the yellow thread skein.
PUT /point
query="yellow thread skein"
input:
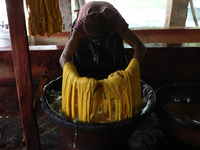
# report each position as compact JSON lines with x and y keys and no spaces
{"x":44,"y":17}
{"x":112,"y":99}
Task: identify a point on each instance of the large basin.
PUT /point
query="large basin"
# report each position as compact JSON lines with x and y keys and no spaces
{"x":95,"y":136}
{"x":179,"y":109}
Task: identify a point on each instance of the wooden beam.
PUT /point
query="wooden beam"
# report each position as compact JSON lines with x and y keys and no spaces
{"x":160,"y":35}
{"x":21,"y":61}
{"x":170,"y":35}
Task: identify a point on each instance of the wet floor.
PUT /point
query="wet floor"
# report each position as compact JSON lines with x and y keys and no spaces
{"x":149,"y":134}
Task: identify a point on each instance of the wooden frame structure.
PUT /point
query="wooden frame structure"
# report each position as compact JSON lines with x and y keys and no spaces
{"x":21,"y":61}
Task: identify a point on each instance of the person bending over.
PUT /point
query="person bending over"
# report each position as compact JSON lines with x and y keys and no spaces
{"x":96,"y":46}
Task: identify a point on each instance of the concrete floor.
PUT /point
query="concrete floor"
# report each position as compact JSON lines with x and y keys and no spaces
{"x":149,"y":134}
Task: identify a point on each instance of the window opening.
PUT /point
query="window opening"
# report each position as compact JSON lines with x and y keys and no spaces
{"x":147,"y":13}
{"x":190,"y":21}
{"x":3,"y":16}
{"x":141,"y":13}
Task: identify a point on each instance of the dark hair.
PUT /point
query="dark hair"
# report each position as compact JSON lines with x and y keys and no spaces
{"x":96,"y":25}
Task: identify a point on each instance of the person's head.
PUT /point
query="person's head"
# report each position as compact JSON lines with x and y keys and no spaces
{"x":96,"y":26}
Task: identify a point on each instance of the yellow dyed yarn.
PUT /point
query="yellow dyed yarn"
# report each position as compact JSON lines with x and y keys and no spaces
{"x":112,"y":99}
{"x":44,"y":17}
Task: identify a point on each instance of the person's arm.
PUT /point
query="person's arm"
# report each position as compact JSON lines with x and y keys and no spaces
{"x":136,"y":43}
{"x":70,"y":48}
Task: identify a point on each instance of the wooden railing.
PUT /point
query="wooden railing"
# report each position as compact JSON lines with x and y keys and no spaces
{"x":173,"y":35}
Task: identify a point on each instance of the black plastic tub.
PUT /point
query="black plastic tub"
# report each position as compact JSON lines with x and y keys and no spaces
{"x":178,"y":107}
{"x":95,"y":136}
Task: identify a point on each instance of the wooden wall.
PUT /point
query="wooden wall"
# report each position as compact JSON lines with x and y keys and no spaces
{"x":161,"y":65}
{"x":42,"y":58}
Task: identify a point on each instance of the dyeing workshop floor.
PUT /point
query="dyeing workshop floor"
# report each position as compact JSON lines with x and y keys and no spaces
{"x":149,"y":134}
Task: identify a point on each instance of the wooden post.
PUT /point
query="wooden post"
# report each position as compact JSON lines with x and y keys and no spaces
{"x":176,"y":13}
{"x":22,"y":69}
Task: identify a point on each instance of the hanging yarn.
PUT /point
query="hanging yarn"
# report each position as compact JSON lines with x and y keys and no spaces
{"x":44,"y":17}
{"x":112,"y":99}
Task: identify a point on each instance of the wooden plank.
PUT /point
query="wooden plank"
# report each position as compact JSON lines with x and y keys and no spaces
{"x":171,"y":35}
{"x":21,"y":61}
{"x":161,"y":35}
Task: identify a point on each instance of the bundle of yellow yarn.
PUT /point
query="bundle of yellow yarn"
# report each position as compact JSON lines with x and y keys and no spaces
{"x":112,"y":99}
{"x":44,"y":17}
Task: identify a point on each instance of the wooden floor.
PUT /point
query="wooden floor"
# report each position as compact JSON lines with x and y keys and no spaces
{"x":149,"y":134}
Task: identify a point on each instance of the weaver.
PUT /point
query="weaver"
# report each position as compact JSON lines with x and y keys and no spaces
{"x":112,"y":99}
